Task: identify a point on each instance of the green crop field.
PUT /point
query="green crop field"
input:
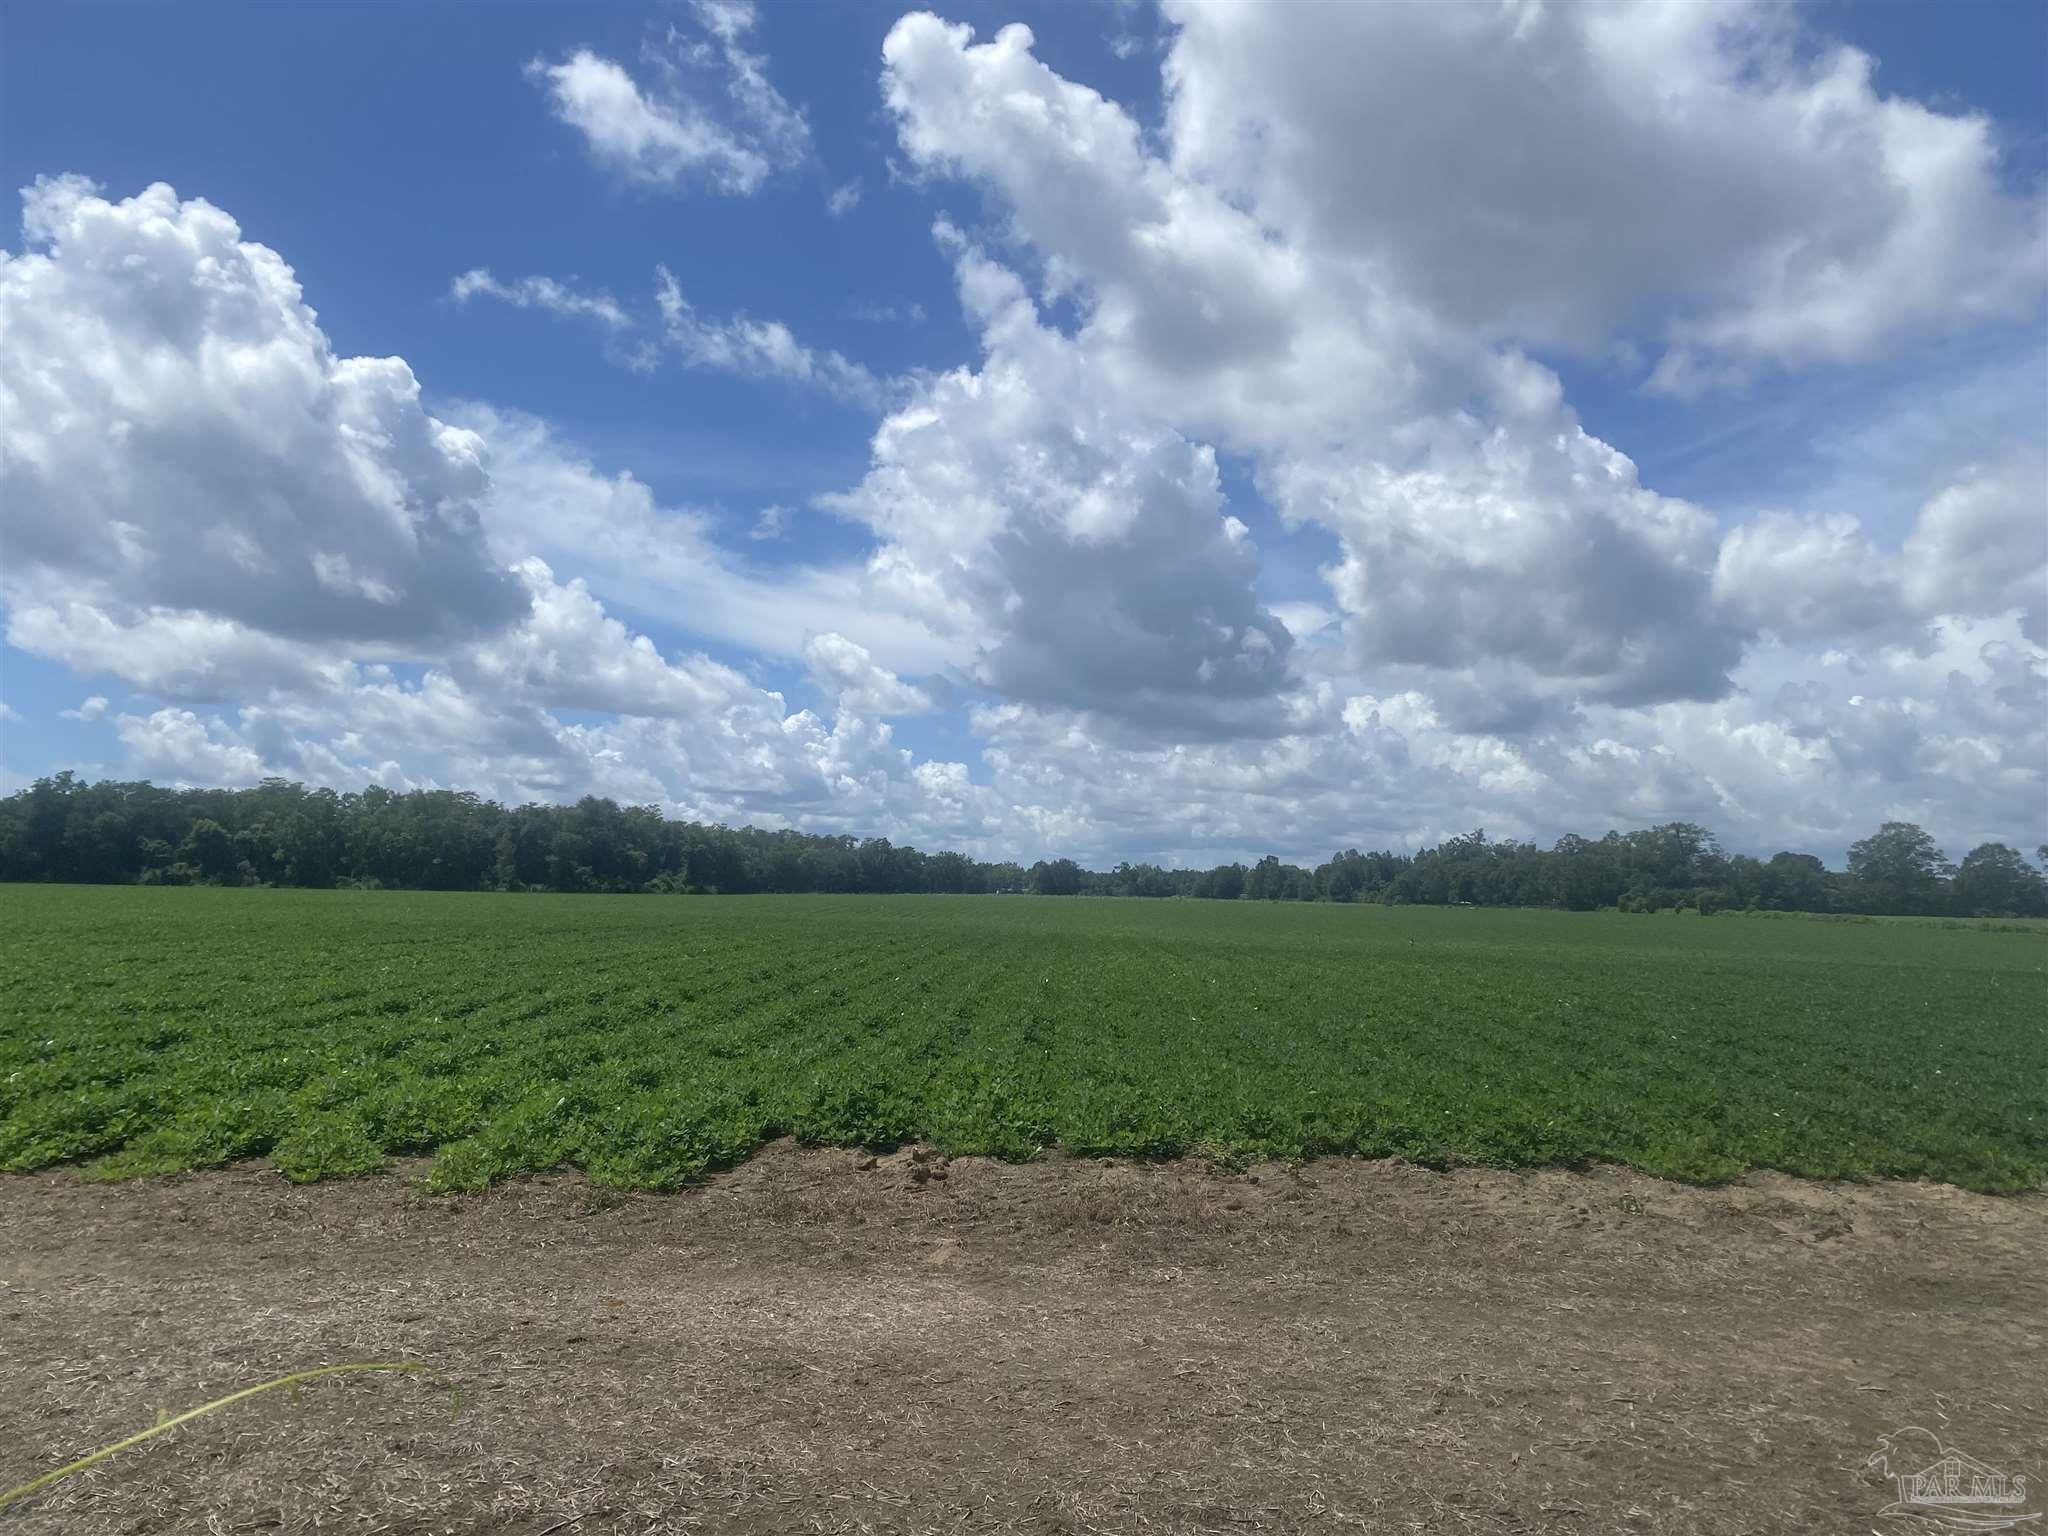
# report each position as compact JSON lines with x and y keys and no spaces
{"x":645,"y":1038}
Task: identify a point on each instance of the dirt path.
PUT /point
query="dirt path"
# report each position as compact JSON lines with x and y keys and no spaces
{"x":808,"y":1345}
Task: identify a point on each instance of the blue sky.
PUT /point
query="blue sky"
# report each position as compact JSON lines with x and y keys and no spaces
{"x":1146,"y":577}
{"x":387,"y":152}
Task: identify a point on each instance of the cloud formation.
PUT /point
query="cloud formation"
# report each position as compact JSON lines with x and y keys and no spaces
{"x":177,"y":435}
{"x":1453,"y":474}
{"x":1082,"y":552}
{"x":737,"y":344}
{"x":765,"y":349}
{"x":1978,"y":548}
{"x":1310,"y":312}
{"x":677,"y":132}
{"x":541,"y":293}
{"x":843,"y":669}
{"x":1712,"y":180}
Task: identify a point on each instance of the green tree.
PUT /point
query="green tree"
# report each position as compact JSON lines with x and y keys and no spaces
{"x":1899,"y":869}
{"x":1995,"y":881}
{"x":211,"y":848}
{"x":1060,"y":877}
{"x":1794,"y":882}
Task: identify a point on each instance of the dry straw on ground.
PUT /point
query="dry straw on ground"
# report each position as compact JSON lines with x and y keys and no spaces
{"x":805,"y":1344}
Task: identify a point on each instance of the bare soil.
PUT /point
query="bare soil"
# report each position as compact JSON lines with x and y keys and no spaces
{"x":806,"y":1344}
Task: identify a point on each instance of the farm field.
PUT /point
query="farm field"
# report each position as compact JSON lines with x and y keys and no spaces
{"x":803,"y":1346}
{"x":646,"y":1039}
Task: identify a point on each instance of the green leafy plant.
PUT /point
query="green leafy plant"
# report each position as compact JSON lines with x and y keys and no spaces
{"x":144,"y":1030}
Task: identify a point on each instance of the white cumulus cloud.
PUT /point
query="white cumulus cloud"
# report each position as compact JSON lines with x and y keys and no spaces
{"x":1714,"y":179}
{"x":844,"y":669}
{"x":177,"y":434}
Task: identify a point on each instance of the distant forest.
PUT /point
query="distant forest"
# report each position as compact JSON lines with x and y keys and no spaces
{"x":280,"y":833}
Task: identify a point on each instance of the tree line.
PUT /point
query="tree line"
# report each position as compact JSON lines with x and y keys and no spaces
{"x":281,"y":833}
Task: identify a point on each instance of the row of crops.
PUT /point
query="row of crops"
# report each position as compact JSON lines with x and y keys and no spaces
{"x":643,"y":1041}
